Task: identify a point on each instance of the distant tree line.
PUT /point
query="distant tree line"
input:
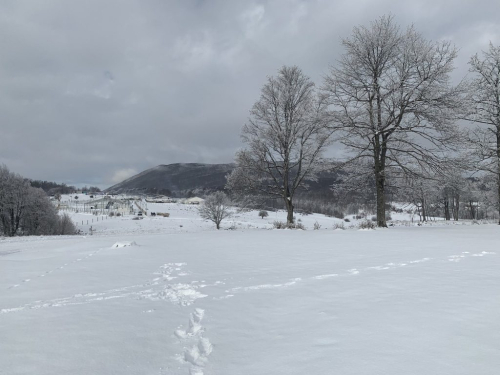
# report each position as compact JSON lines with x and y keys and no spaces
{"x":53,"y":188}
{"x":27,"y":210}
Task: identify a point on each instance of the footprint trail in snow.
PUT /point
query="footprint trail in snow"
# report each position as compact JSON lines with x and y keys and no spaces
{"x":197,"y":347}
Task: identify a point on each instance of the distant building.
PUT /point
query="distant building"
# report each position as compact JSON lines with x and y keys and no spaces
{"x":194,"y":200}
{"x":161,"y":199}
{"x":106,"y":205}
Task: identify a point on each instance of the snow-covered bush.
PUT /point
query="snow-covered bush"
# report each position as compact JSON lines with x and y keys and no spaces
{"x":296,"y":226}
{"x":66,"y":225}
{"x":339,"y":226}
{"x":316,"y":225}
{"x":284,"y":225}
{"x":263,"y":214}
{"x":367,"y":224}
{"x":279,"y":224}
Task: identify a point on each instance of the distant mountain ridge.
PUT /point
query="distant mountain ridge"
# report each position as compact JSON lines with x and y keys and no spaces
{"x":188,"y":179}
{"x":180,"y":179}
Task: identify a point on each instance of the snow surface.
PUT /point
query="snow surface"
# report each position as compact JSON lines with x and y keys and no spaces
{"x":187,"y":299}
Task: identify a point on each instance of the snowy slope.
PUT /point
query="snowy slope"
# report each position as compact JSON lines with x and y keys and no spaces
{"x":157,"y":300}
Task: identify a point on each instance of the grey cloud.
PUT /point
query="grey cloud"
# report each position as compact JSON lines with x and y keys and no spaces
{"x":93,"y":90}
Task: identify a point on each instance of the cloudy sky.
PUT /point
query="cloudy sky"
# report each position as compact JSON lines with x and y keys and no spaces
{"x":94,"y":91}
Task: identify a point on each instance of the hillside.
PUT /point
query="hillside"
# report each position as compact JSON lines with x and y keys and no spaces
{"x":184,"y":179}
{"x":176,"y":179}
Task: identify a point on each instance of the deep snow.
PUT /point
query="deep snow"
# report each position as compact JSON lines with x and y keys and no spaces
{"x":150,"y":297}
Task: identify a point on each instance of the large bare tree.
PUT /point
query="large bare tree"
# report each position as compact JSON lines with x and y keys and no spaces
{"x":390,"y":99}
{"x":284,"y":139}
{"x":484,"y":108}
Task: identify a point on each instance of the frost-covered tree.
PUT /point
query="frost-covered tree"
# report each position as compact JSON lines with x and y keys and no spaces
{"x":25,"y":210}
{"x":14,"y":195}
{"x":66,"y":225}
{"x":484,"y":109}
{"x":216,"y":207}
{"x":284,"y":138}
{"x":40,"y":216}
{"x":390,"y":99}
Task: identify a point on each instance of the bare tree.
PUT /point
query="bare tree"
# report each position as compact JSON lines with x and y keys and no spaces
{"x":484,"y":109}
{"x":13,"y":200}
{"x":284,"y":136}
{"x":263,"y":214}
{"x":66,"y":225}
{"x":216,"y":208}
{"x":390,"y":99}
{"x":25,"y":210}
{"x":40,"y":215}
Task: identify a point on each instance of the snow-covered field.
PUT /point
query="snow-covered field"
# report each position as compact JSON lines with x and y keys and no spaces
{"x":175,"y":296}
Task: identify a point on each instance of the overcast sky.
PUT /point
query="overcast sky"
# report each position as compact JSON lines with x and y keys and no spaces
{"x":94,"y":91}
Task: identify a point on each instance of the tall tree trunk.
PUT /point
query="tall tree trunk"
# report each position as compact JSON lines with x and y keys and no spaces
{"x":446,"y":209}
{"x":472,"y":211}
{"x":12,"y":223}
{"x":456,"y":207}
{"x":498,"y":168}
{"x":380,"y":151}
{"x":380,"y":181}
{"x":498,"y":195}
{"x":289,"y":209}
{"x":424,"y":211}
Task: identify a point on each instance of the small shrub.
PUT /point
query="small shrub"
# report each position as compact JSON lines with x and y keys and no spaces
{"x":347,"y":220}
{"x":339,"y":226}
{"x":263,"y":214}
{"x":279,"y":225}
{"x":367,"y":224}
{"x":118,"y":214}
{"x":284,"y":225}
{"x":111,"y":214}
{"x":316,"y":226}
{"x":296,"y":226}
{"x":373,"y":218}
